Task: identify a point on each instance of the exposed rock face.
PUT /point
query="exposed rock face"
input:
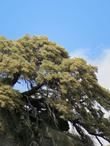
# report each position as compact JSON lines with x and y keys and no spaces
{"x":12,"y":133}
{"x":8,"y":128}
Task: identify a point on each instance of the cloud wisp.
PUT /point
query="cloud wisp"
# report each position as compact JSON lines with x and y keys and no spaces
{"x":104,"y":69}
{"x":102,"y":62}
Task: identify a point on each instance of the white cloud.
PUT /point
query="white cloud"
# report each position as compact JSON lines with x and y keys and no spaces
{"x":102,"y":62}
{"x":104,"y":69}
{"x":82,"y":53}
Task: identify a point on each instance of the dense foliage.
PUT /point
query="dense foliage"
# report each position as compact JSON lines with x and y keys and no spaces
{"x":61,"y":90}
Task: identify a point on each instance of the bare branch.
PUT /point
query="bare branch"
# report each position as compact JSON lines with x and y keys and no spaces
{"x":99,"y":140}
{"x":33,"y":90}
{"x":15,"y":78}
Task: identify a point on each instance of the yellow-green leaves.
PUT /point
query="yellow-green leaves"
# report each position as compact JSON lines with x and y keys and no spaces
{"x":63,"y":107}
{"x":9,"y":98}
{"x":63,"y":88}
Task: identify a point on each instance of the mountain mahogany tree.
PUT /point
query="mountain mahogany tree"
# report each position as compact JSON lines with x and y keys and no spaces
{"x":61,"y":91}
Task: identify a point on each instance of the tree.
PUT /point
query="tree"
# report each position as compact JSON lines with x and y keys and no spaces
{"x":61,"y":90}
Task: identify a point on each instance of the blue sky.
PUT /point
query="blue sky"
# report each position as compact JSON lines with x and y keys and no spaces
{"x":74,"y":24}
{"x":81,"y":26}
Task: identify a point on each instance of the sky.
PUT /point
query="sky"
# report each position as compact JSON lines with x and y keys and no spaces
{"x":81,"y":26}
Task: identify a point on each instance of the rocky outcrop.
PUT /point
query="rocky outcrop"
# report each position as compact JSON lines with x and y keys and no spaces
{"x":13,"y":132}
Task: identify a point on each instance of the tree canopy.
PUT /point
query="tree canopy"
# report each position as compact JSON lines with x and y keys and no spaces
{"x":60,"y":91}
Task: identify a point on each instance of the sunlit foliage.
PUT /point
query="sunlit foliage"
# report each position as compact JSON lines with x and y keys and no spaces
{"x":61,"y":89}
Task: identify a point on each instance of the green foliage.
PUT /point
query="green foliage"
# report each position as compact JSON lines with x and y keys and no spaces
{"x":62,"y":89}
{"x":9,"y":98}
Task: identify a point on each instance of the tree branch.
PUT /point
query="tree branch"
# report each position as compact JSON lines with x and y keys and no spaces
{"x":33,"y":90}
{"x":94,"y":134}
{"x":15,"y":78}
{"x":99,"y":140}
